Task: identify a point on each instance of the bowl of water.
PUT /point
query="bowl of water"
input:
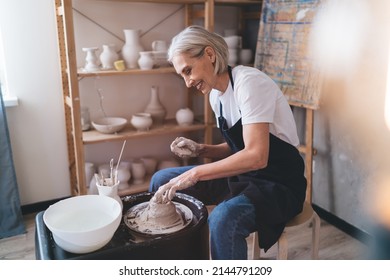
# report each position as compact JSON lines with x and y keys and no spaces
{"x":83,"y":224}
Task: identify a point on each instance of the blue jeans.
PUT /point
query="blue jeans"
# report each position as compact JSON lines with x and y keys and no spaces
{"x":231,"y":221}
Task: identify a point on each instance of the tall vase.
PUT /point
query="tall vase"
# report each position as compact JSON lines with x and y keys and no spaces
{"x":108,"y":56}
{"x":155,"y":108}
{"x":131,"y":48}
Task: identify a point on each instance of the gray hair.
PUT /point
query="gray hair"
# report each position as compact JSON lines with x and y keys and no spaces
{"x":194,"y":39}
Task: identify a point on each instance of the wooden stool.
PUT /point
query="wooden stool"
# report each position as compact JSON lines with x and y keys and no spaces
{"x":306,"y":216}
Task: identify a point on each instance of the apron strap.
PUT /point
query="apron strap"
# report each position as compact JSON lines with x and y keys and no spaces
{"x":231,"y":80}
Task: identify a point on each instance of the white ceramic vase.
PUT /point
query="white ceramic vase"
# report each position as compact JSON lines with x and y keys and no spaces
{"x":91,"y":59}
{"x":184,"y":116}
{"x":146,"y":60}
{"x":131,"y":48}
{"x":124,"y":175}
{"x":155,"y":108}
{"x":108,"y":57}
{"x":138,"y":171}
{"x":111,"y":191}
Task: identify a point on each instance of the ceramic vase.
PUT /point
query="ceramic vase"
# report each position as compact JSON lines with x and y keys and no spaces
{"x":123,"y":175}
{"x":108,"y":57}
{"x":138,"y":171}
{"x":91,"y":59}
{"x":131,"y":48}
{"x":155,"y":108}
{"x":146,"y":60}
{"x":111,"y":191}
{"x":184,"y":116}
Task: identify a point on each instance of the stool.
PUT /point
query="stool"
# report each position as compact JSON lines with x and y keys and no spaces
{"x":306,"y":216}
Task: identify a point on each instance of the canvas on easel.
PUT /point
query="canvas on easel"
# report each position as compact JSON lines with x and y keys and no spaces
{"x":282,"y":49}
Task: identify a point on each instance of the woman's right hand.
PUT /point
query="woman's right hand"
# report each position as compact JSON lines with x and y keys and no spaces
{"x":185,"y":148}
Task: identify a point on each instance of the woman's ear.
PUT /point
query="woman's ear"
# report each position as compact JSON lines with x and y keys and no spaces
{"x":210,"y":53}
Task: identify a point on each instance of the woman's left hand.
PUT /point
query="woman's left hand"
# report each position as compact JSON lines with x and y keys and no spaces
{"x":166,"y":192}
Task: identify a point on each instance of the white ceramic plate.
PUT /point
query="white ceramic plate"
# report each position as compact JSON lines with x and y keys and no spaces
{"x":132,"y":223}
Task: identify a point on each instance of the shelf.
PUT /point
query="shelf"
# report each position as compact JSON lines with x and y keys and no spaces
{"x":170,"y":126}
{"x":162,"y":70}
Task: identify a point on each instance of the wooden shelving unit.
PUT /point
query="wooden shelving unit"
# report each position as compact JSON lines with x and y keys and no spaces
{"x":71,"y":76}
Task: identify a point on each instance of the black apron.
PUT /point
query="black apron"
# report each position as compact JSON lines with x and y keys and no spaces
{"x":277,"y":191}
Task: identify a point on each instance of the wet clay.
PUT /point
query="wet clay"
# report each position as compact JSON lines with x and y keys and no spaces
{"x":158,"y":218}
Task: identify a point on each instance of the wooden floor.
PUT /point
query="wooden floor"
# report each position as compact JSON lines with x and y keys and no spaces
{"x":334,"y":244}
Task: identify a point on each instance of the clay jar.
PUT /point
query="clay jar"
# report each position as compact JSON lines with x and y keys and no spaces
{"x":146,"y":60}
{"x":141,"y":121}
{"x":184,"y":116}
{"x":138,"y":171}
{"x":124,"y":175}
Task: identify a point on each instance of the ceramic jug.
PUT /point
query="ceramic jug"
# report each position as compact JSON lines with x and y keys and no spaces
{"x":108,"y":57}
{"x":146,"y":60}
{"x":155,"y":108}
{"x":131,"y":48}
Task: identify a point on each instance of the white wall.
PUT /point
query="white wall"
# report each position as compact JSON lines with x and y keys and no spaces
{"x":37,"y":125}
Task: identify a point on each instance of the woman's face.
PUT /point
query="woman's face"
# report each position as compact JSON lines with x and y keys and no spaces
{"x":197,"y":72}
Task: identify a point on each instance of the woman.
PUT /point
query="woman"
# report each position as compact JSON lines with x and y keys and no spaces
{"x":257,"y":178}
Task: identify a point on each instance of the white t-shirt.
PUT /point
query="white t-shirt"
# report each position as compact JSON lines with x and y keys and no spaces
{"x":256,"y":99}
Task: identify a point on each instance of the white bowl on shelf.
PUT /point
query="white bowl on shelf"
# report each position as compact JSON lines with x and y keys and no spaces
{"x":109,"y":125}
{"x":83,"y":224}
{"x":141,"y":121}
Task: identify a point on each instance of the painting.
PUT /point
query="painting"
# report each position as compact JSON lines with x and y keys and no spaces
{"x":282,"y":50}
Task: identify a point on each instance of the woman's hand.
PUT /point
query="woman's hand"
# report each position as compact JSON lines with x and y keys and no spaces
{"x":166,"y":192}
{"x":185,"y":148}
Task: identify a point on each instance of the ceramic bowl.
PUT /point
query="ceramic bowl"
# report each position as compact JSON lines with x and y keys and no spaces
{"x":83,"y":224}
{"x":109,"y":125}
{"x":142,"y":121}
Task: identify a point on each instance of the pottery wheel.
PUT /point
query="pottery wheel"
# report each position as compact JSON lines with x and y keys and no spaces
{"x":152,"y":218}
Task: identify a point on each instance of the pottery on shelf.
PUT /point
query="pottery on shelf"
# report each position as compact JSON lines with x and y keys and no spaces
{"x":184,"y":116}
{"x":150,"y":164}
{"x":138,"y":171}
{"x":108,"y":56}
{"x":141,"y":121}
{"x":91,"y":59}
{"x":89,"y":169}
{"x":131,"y":48}
{"x":155,"y":108}
{"x":146,"y":60}
{"x":124,"y":175}
{"x":85,"y":118}
{"x":246,"y":56}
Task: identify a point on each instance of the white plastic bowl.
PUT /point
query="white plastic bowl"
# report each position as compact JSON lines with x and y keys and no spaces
{"x":109,"y":125}
{"x":83,"y":224}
